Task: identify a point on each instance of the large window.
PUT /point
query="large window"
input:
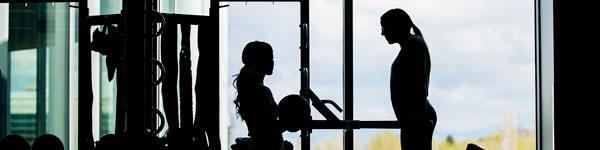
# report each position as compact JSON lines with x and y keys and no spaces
{"x":276,"y":24}
{"x":482,"y":69}
{"x":36,"y":45}
{"x":482,"y":80}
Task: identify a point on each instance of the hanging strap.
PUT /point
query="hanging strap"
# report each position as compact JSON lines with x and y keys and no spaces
{"x":169,"y":85}
{"x":185,"y":82}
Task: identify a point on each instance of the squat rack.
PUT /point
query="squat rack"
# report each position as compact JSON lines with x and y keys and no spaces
{"x":136,"y":90}
{"x":137,"y":85}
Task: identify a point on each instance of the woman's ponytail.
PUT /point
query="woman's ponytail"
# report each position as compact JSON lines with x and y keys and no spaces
{"x":416,"y":30}
{"x":240,"y":77}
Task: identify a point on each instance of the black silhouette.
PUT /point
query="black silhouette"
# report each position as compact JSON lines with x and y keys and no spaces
{"x":245,"y":143}
{"x":107,"y":42}
{"x":107,"y":142}
{"x":185,"y":86}
{"x":472,"y":146}
{"x":294,"y":112}
{"x":169,"y":85}
{"x":47,"y":142}
{"x":409,"y":81}
{"x":254,"y":101}
{"x":206,"y":122}
{"x":14,"y":142}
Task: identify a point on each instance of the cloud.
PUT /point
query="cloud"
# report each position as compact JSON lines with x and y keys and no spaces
{"x":467,"y":108}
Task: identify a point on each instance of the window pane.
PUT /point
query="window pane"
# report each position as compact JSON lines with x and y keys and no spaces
{"x":326,"y":54}
{"x":368,"y":139}
{"x":106,"y":90}
{"x":276,"y":24}
{"x":38,"y":47}
{"x":108,"y":101}
{"x":57,"y":69}
{"x":326,"y":140}
{"x":191,"y":7}
{"x":23,"y":94}
{"x":482,"y":68}
{"x":104,"y":7}
{"x":4,"y":66}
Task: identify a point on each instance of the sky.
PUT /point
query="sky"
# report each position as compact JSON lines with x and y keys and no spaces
{"x":482,"y":59}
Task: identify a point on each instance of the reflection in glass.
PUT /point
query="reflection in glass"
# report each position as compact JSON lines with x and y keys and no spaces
{"x":107,"y":101}
{"x":23,"y":94}
{"x":38,"y":47}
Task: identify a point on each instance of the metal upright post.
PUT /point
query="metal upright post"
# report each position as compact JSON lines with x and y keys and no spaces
{"x":135,"y":70}
{"x":213,"y":78}
{"x":86,"y":139}
{"x":304,"y":66}
{"x":150,"y":52}
{"x":348,"y":74}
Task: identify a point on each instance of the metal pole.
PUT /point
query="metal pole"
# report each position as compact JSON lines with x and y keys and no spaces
{"x":86,"y":139}
{"x":304,"y":66}
{"x":150,"y":52}
{"x":348,"y":74}
{"x":212,"y":99}
{"x":135,"y":71}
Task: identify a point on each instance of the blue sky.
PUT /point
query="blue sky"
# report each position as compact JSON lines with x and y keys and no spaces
{"x":482,"y":58}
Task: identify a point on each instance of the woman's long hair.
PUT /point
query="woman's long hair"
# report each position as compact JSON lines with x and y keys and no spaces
{"x":399,"y":17}
{"x":240,"y":78}
{"x":252,"y":55}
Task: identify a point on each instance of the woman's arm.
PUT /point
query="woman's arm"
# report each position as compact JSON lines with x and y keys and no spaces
{"x":264,"y":110}
{"x":417,"y":72}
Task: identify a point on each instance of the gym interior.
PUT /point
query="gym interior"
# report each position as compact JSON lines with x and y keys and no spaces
{"x":159,"y":74}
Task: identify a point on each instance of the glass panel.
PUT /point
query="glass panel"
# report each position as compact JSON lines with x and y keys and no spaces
{"x":368,"y":139}
{"x":38,"y":48}
{"x":276,"y":24}
{"x":326,"y":68}
{"x":326,"y":54}
{"x":73,"y":80}
{"x":57,"y":64}
{"x":190,"y":7}
{"x":4,"y":74}
{"x":104,"y":7}
{"x":108,"y":93}
{"x":326,"y":140}
{"x":106,"y":89}
{"x":482,"y":68}
{"x":23,"y":94}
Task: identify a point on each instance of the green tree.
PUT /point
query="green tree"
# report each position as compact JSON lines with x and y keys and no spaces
{"x":450,"y":140}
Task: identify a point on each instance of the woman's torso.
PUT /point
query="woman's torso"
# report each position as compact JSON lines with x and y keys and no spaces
{"x":402,"y":87}
{"x":260,"y":112}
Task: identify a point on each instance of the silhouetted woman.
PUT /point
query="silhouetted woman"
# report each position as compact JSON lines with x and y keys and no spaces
{"x":254,"y":102}
{"x":409,"y":80}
